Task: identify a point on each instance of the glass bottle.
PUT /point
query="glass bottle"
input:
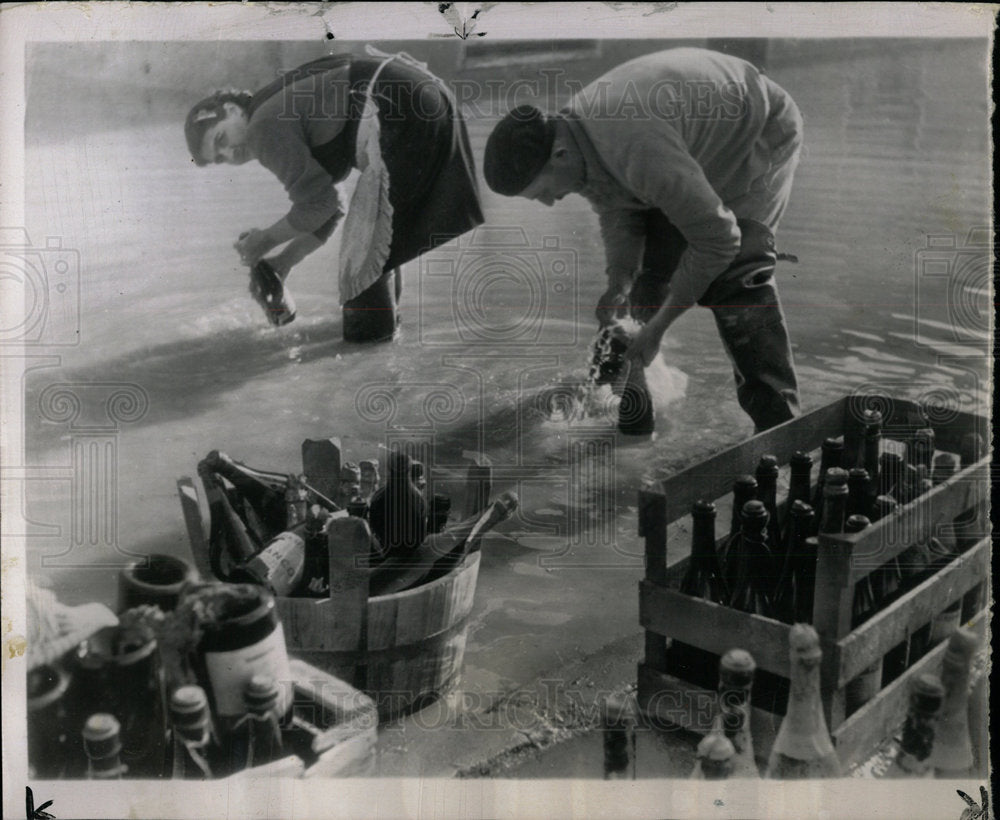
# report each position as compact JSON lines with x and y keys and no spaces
{"x":751,"y":590}
{"x":714,"y":758}
{"x":767,"y":491}
{"x":264,"y":490}
{"x":48,"y":745}
{"x":194,"y":750}
{"x":616,"y":730}
{"x":102,"y":745}
{"x":872,"y":444}
{"x":831,"y":456}
{"x":636,"y":415}
{"x":803,"y":749}
{"x":859,"y":497}
{"x":922,"y":448}
{"x":703,"y":578}
{"x":799,"y":487}
{"x":736,"y":676}
{"x":398,"y":512}
{"x":230,"y":543}
{"x":913,"y":756}
{"x":280,"y":566}
{"x":260,"y":698}
{"x":834,"y":501}
{"x":791,"y":585}
{"x":744,"y":490}
{"x":890,"y":472}
{"x":952,"y":755}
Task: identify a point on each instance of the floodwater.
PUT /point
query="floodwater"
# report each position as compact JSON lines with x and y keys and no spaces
{"x":896,"y":156}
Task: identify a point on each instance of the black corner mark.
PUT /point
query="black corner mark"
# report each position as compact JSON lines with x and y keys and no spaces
{"x":40,"y":814}
{"x":976,"y":811}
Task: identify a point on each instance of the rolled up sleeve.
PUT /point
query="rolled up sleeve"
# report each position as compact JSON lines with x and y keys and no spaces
{"x":623,"y":233}
{"x":310,"y":188}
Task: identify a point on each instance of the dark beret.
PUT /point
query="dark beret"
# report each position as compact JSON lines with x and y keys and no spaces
{"x":517,"y":150}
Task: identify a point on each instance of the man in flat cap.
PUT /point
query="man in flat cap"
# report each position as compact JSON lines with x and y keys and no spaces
{"x":687,"y":156}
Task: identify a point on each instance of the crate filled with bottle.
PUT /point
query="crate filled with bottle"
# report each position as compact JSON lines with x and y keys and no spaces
{"x":867,"y":518}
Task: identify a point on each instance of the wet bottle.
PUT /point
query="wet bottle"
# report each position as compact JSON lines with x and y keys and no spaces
{"x":736,"y":676}
{"x":264,"y":491}
{"x":866,"y":685}
{"x":835,"y":494}
{"x":744,"y":490}
{"x":752,"y":586}
{"x":280,"y":566}
{"x":256,"y":737}
{"x":714,"y":758}
{"x":803,"y":749}
{"x":799,"y":487}
{"x":703,"y":578}
{"x":832,"y":456}
{"x":194,"y":751}
{"x":859,"y":499}
{"x":636,"y":415}
{"x":398,"y":512}
{"x":952,"y":757}
{"x":794,"y":596}
{"x":767,"y":491}
{"x":102,"y":745}
{"x":229,"y":542}
{"x":871,"y":446}
{"x":917,"y":743}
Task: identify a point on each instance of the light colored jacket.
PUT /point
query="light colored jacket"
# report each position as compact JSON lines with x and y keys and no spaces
{"x":686,"y":131}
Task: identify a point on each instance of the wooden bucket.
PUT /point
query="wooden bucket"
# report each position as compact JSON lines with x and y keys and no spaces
{"x":414,"y":639}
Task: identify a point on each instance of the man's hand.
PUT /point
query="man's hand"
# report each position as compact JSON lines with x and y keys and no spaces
{"x":252,"y":245}
{"x":645,"y":344}
{"x":611,"y":305}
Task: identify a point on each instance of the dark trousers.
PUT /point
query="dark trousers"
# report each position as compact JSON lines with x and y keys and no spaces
{"x":747,"y":314}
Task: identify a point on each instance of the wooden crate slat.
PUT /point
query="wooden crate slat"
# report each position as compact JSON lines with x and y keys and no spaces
{"x":917,"y":521}
{"x":870,"y":641}
{"x":713,"y":627}
{"x":883,"y":713}
{"x":713,"y":477}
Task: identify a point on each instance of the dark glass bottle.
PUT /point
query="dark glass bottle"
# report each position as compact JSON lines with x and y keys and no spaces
{"x":229,"y":542}
{"x":616,"y":729}
{"x":834,"y":501}
{"x":744,"y":490}
{"x":799,"y":486}
{"x":48,"y":745}
{"x":890,"y":471}
{"x":102,"y":745}
{"x":398,"y":512}
{"x":832,"y":455}
{"x":265,"y":491}
{"x":258,"y":733}
{"x":871,"y":444}
{"x":917,"y":743}
{"x":888,"y":578}
{"x":281,"y":565}
{"x":752,"y":588}
{"x":195,"y":753}
{"x":767,"y":491}
{"x":859,"y":497}
{"x":703,"y":578}
{"x":636,"y":415}
{"x":793,"y":598}
{"x":736,"y":677}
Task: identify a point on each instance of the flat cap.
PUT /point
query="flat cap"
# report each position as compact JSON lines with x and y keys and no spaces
{"x":517,"y":150}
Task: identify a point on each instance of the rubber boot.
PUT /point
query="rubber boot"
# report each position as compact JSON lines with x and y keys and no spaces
{"x":372,"y":316}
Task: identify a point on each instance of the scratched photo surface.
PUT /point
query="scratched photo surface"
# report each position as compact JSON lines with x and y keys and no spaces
{"x":139,"y":349}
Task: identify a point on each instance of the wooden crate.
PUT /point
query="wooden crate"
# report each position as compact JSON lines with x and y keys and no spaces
{"x":346,"y":725}
{"x":843,"y":561}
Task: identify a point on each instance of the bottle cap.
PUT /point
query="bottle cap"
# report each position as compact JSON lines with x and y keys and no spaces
{"x":832,"y":448}
{"x":801,"y":459}
{"x":768,"y":465}
{"x":102,"y":736}
{"x":189,"y":708}
{"x":890,"y":461}
{"x":885,"y":504}
{"x":835,"y":477}
{"x":871,"y":417}
{"x":736,"y":669}
{"x":803,"y":643}
{"x":260,"y":693}
{"x":926,"y":694}
{"x":962,"y":645}
{"x":801,"y":508}
{"x":716,"y":747}
{"x":744,"y":483}
{"x":703,"y":508}
{"x":857,"y":474}
{"x":754,"y":509}
{"x":856,"y":523}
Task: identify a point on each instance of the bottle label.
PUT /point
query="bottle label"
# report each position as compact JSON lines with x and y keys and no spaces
{"x":229,"y":672}
{"x":282,"y":562}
